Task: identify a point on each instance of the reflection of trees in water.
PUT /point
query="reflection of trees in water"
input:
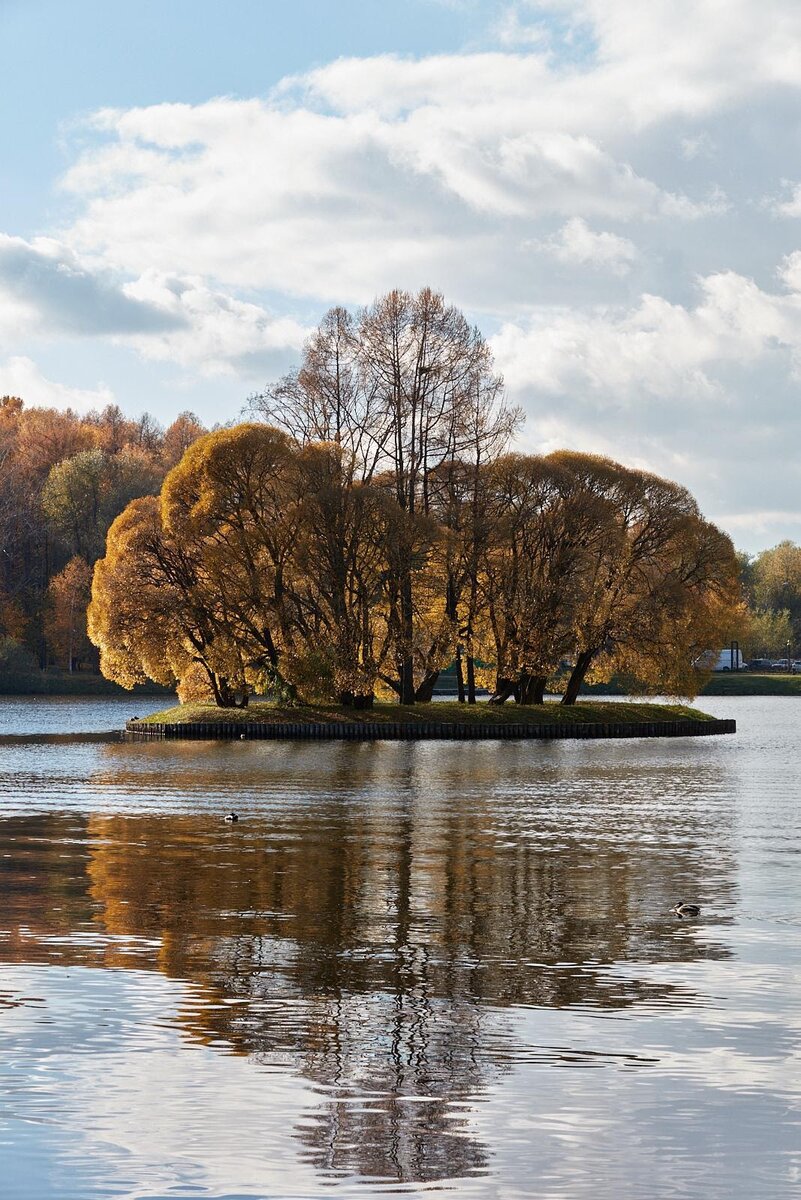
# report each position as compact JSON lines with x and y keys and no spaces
{"x":376,"y":939}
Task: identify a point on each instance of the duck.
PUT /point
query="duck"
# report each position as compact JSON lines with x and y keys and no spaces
{"x":686,"y":910}
{"x":232,"y":816}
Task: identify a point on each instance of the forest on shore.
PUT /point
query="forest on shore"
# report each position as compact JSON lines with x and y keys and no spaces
{"x":64,"y":477}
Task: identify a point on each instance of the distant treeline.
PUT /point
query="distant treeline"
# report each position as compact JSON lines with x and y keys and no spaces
{"x":771,"y":583}
{"x":64,"y":477}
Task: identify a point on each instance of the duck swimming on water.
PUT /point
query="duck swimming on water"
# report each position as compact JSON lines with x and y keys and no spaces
{"x":232,"y":816}
{"x":686,"y":910}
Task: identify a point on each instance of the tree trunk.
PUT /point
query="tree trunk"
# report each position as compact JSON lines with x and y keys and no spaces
{"x":459,"y":674}
{"x":471,"y":680}
{"x":504,"y":688}
{"x":531,"y":688}
{"x":407,"y":634}
{"x":391,"y":683}
{"x":577,"y":676}
{"x":425,"y":692}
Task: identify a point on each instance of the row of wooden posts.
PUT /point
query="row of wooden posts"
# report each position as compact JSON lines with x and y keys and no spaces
{"x":369,"y":731}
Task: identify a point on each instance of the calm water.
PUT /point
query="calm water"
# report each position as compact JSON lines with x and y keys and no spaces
{"x":434,"y":967}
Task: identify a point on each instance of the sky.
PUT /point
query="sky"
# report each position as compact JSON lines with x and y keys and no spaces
{"x":611,"y":192}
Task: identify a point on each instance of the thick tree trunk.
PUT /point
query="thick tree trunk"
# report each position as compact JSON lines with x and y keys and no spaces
{"x":577,"y":676}
{"x":391,"y":683}
{"x":425,"y":692}
{"x":531,"y":688}
{"x":504,"y":688}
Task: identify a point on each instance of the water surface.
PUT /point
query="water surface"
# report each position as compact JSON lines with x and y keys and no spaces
{"x":408,"y":967}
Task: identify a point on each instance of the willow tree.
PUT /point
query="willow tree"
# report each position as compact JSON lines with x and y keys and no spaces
{"x":234,"y":498}
{"x":658,"y":589}
{"x":544,"y":529}
{"x":150,"y":615}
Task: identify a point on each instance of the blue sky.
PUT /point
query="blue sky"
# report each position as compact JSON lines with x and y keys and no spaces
{"x":613,"y":194}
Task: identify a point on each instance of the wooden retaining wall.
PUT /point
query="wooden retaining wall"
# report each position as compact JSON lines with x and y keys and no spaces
{"x":396,"y":731}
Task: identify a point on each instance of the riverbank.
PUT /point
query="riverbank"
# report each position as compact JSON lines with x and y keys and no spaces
{"x":722,"y":683}
{"x":77,"y":683}
{"x":441,"y":720}
{"x":743,"y":683}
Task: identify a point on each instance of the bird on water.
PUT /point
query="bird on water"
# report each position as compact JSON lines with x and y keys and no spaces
{"x":232,"y":816}
{"x":686,"y":910}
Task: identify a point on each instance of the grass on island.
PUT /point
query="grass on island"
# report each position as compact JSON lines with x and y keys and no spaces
{"x":594,"y":712}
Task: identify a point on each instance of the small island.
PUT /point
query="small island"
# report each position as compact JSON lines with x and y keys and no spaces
{"x":443,"y":720}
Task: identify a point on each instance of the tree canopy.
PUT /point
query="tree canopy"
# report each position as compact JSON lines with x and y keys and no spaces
{"x":269,"y":564}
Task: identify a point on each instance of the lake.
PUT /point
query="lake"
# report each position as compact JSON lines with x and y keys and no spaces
{"x":408,"y":967}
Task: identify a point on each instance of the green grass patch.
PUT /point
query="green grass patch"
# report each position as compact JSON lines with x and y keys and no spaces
{"x":594,"y":712}
{"x":743,"y":683}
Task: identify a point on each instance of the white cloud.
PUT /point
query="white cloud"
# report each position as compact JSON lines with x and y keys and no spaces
{"x":45,"y":286}
{"x":47,"y":289}
{"x":663,"y":349}
{"x":575,"y":244}
{"x":214,"y":332}
{"x":565,"y":184}
{"x":790,"y":206}
{"x":19,"y":376}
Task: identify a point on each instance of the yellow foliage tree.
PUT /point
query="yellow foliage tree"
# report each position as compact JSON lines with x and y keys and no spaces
{"x":65,"y":615}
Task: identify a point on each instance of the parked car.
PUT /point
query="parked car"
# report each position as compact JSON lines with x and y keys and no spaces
{"x":760,"y":664}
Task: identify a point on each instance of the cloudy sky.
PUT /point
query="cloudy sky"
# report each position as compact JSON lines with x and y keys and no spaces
{"x":611,"y":191}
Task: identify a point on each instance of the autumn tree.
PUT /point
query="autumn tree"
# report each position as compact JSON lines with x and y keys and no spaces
{"x":179,"y":436}
{"x":775,"y":584}
{"x":233,"y":496}
{"x":658,"y":589}
{"x":68,"y":596}
{"x":83,"y":494}
{"x":150,"y":615}
{"x":348,"y":535}
{"x":765,"y":633}
{"x":546,"y":530}
{"x":405,"y":387}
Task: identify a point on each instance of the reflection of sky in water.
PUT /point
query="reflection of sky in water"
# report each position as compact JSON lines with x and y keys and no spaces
{"x":442,"y":966}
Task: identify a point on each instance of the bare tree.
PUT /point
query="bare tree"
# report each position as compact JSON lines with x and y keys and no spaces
{"x":405,"y":388}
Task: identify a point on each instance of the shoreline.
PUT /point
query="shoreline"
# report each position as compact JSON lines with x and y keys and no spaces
{"x":448,"y":722}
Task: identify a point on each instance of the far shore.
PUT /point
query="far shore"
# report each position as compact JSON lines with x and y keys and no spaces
{"x":80,"y":683}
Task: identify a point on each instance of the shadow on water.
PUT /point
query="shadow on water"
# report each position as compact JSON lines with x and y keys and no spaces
{"x":377,"y":914}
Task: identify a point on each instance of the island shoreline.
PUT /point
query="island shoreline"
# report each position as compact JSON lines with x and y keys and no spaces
{"x":422,"y":731}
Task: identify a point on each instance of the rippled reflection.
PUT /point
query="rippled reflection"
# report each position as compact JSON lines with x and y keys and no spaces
{"x":417,"y":936}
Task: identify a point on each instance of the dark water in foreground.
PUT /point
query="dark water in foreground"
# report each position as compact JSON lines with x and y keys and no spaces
{"x":407,"y":968}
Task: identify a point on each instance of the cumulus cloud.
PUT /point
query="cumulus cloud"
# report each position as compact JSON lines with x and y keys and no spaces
{"x":702,"y":392}
{"x":46,"y":289}
{"x":564,"y":184}
{"x":44,"y":284}
{"x":658,"y":348}
{"x":214,"y":332}
{"x":790,"y":205}
{"x":576,"y":244}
